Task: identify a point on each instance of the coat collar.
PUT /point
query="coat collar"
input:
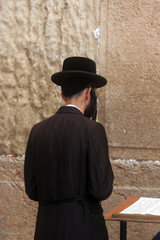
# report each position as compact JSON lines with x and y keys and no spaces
{"x":68,"y":109}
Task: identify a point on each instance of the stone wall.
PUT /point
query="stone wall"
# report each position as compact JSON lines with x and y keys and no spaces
{"x":131,"y":64}
{"x":17,"y":212}
{"x":37,"y":36}
{"x":123,"y":39}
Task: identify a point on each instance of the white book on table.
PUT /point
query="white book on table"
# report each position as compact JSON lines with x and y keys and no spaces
{"x":144,"y":206}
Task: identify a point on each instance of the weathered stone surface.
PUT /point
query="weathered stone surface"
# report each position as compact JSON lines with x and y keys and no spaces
{"x":17,"y":212}
{"x":36,"y":37}
{"x":130,"y":60}
{"x":139,"y":174}
{"x":134,"y":153}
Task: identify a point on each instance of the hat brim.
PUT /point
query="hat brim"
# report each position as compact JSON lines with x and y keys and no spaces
{"x":60,"y":78}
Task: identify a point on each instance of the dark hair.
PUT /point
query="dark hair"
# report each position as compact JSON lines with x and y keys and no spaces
{"x":91,"y":110}
{"x":76,"y":95}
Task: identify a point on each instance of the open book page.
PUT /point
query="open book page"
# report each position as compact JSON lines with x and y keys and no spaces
{"x":144,"y":206}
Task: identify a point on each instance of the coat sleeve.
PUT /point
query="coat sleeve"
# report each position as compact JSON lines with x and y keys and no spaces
{"x":29,"y":172}
{"x":100,"y":174}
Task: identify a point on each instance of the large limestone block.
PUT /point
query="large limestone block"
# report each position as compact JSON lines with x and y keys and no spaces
{"x":143,"y":174}
{"x":131,"y":64}
{"x":17,"y":212}
{"x":35,"y":38}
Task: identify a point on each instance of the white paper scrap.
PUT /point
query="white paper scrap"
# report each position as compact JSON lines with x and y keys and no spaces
{"x":144,"y":206}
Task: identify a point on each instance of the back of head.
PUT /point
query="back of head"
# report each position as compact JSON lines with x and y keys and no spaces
{"x":79,"y":73}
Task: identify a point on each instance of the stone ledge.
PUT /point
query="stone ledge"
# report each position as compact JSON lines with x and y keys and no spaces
{"x":131,"y":173}
{"x":136,"y":153}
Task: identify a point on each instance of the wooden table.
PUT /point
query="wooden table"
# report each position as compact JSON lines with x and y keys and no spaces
{"x":124,"y":218}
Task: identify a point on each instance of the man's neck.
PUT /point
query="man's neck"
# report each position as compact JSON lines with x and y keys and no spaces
{"x":72,"y":105}
{"x":76,"y":104}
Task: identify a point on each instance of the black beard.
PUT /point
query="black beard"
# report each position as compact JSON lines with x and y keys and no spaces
{"x":91,"y":109}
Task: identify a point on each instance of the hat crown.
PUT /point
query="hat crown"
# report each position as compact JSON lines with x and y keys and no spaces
{"x":79,"y":64}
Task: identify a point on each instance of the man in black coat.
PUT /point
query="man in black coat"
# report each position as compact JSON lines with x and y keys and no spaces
{"x":67,"y":167}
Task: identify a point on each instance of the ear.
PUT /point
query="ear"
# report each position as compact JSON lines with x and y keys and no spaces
{"x":88,"y":91}
{"x":63,"y":97}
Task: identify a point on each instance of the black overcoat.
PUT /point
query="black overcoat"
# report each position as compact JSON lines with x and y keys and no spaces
{"x":67,"y":170}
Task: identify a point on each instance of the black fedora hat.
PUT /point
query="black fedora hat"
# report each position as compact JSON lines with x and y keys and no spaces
{"x":77,"y":74}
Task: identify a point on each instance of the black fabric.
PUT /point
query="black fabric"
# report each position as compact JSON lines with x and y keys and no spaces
{"x":77,"y":74}
{"x":79,"y":63}
{"x":67,"y":169}
{"x":157,"y":236}
{"x":78,"y":220}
